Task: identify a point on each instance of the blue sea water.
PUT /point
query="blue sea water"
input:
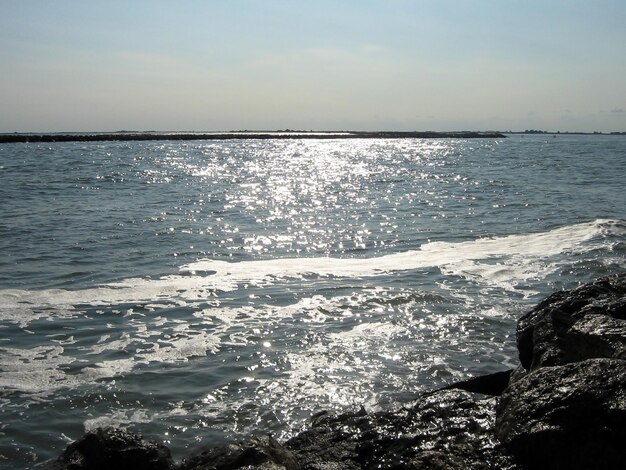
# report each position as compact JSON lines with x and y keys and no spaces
{"x":199,"y":291}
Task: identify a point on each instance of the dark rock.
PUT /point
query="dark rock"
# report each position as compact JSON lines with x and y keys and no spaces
{"x":110,"y":448}
{"x":571,"y":416}
{"x":444,"y":429}
{"x":569,"y":409}
{"x":491,"y":384}
{"x":518,"y":373}
{"x":569,"y":326}
{"x":266,"y":453}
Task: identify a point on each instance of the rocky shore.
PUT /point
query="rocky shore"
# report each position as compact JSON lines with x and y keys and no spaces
{"x":564,"y":407}
{"x":139,"y":136}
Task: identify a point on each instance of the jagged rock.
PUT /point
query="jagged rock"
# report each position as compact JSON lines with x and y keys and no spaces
{"x":262,"y":454}
{"x":110,"y":448}
{"x":566,"y":406}
{"x":575,"y":325}
{"x":571,"y":416}
{"x":443,"y":430}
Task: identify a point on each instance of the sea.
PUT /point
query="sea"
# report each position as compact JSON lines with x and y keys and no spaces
{"x":199,"y":292}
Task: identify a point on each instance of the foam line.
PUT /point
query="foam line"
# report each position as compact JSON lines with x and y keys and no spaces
{"x":518,"y":254}
{"x":431,"y":254}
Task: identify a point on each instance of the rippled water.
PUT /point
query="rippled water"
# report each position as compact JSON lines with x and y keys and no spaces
{"x":199,"y":291}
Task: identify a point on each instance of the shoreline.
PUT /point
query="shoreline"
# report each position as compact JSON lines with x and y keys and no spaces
{"x":562,"y":407}
{"x":244,"y":135}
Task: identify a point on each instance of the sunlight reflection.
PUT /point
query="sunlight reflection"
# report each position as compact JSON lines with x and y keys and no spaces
{"x":310,"y":196}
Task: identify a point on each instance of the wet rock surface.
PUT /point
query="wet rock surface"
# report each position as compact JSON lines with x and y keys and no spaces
{"x":444,"y":429}
{"x":114,"y":449}
{"x":564,"y":407}
{"x":569,"y":416}
{"x":574,"y":325}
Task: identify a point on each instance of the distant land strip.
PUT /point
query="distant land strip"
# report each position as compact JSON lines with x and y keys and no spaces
{"x":135,"y":136}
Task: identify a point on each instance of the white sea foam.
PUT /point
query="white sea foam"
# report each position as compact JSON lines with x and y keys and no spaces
{"x":503,"y":261}
{"x":39,"y":369}
{"x":182,"y":349}
{"x":517,"y":258}
{"x":34,"y":369}
{"x":119,"y":419}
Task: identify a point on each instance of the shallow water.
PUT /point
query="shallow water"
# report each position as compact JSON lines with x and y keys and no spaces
{"x":199,"y":291}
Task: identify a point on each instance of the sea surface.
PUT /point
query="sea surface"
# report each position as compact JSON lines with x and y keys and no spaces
{"x":200,"y":291}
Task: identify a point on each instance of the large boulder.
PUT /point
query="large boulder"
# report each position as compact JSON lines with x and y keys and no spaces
{"x":569,"y":326}
{"x":566,"y":406}
{"x":111,"y":448}
{"x":567,"y":417}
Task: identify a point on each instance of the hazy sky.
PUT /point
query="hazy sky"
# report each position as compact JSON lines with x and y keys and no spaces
{"x":354,"y":64}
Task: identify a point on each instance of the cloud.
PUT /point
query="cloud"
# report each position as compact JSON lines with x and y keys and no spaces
{"x":617,"y":110}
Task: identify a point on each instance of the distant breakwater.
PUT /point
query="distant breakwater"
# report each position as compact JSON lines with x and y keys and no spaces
{"x":149,"y":136}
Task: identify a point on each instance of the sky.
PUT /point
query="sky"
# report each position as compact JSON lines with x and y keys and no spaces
{"x":209,"y":65}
